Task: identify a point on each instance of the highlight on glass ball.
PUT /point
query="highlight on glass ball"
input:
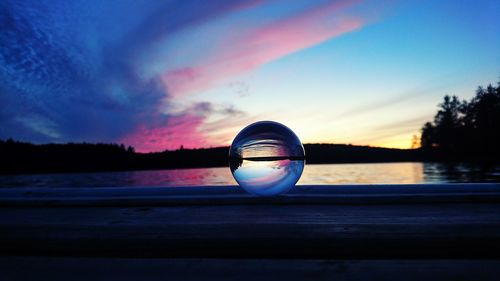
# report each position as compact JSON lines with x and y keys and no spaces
{"x":266,"y":158}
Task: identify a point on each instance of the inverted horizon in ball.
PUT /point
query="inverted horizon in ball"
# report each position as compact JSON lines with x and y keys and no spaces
{"x":266,"y":158}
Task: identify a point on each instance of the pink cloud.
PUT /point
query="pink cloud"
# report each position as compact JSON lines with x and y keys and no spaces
{"x":248,"y":51}
{"x":179,"y":130}
{"x":236,"y":55}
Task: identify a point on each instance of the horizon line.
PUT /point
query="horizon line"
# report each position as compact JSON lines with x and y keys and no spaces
{"x":190,"y":148}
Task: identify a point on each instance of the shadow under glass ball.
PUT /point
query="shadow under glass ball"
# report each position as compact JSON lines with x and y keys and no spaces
{"x":266,"y":158}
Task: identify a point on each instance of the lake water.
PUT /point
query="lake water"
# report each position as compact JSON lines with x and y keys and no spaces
{"x":372,"y":173}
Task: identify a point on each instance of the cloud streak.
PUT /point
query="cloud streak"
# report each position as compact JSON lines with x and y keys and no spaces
{"x":246,"y":52}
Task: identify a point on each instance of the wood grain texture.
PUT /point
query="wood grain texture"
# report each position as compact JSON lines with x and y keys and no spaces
{"x":124,"y":269}
{"x":232,"y":195}
{"x":464,"y":222}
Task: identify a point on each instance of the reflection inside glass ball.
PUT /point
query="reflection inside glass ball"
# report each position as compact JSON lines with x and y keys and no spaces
{"x":266,"y":158}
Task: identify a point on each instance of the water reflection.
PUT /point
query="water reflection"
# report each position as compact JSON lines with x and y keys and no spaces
{"x":373,"y":173}
{"x":461,"y":172}
{"x":364,"y":173}
{"x":180,"y":177}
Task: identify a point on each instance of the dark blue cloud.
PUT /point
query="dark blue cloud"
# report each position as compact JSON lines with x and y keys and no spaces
{"x":69,"y":70}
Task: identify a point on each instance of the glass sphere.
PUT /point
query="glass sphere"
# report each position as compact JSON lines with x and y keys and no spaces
{"x":266,"y":158}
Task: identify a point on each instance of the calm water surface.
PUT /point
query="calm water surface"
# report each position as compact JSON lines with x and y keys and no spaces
{"x":372,"y":173}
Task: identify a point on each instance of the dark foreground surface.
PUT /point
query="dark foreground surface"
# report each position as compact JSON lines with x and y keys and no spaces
{"x":433,"y":232}
{"x":105,"y":269}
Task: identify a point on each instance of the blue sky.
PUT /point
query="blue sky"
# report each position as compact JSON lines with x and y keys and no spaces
{"x":160,"y":74}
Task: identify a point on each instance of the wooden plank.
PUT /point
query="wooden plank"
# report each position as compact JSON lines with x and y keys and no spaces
{"x":340,"y":231}
{"x":235,"y":190}
{"x":221,"y":195}
{"x":97,"y":269}
{"x":445,"y":221}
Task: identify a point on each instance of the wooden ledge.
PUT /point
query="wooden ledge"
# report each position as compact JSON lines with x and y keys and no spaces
{"x":233,"y":195}
{"x":358,"y":222}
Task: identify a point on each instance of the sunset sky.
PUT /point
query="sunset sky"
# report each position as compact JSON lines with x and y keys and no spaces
{"x":160,"y":74}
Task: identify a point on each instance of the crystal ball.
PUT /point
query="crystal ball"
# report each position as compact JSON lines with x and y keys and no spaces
{"x":266,"y":158}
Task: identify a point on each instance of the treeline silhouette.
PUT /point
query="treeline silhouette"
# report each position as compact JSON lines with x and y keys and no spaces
{"x":22,"y":157}
{"x":465,"y":130}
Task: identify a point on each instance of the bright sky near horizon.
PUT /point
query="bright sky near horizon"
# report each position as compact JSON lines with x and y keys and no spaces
{"x":160,"y":74}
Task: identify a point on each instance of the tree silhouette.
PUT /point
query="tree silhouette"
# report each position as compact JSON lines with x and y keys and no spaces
{"x":415,"y":142}
{"x":465,"y":129}
{"x":427,"y":139}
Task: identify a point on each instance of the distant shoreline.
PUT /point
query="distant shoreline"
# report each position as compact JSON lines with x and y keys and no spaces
{"x":27,"y":158}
